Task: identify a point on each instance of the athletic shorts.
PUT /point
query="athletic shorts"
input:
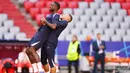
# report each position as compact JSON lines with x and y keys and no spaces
{"x":39,"y":39}
{"x":48,"y":54}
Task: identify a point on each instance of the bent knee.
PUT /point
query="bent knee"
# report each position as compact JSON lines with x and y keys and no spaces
{"x":27,"y":51}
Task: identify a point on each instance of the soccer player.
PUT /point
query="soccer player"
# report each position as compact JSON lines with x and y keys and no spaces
{"x":41,"y":37}
{"x":48,"y":51}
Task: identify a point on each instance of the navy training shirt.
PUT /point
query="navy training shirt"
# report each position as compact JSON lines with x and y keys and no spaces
{"x":51,"y":18}
{"x":53,"y":38}
{"x":46,"y":30}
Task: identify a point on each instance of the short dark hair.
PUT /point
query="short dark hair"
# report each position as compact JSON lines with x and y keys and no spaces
{"x":71,"y":18}
{"x":58,"y":5}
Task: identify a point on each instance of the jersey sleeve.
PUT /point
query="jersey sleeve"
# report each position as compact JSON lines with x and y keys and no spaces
{"x":59,"y":23}
{"x":62,"y":23}
{"x":55,"y":19}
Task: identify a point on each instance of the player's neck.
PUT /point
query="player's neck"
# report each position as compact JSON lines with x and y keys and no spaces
{"x":54,"y":12}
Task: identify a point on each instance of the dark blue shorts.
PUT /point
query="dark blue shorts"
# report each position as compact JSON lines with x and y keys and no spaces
{"x":39,"y":39}
{"x":48,"y":53}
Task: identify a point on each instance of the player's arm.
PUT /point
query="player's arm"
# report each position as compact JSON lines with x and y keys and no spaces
{"x":55,"y":25}
{"x":54,"y":21}
{"x":59,"y":24}
{"x":45,"y":22}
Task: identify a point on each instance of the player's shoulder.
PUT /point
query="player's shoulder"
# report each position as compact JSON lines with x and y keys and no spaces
{"x":56,"y":15}
{"x":65,"y":21}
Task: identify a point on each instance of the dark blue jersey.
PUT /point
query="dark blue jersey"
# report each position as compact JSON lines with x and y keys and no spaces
{"x":51,"y":18}
{"x":41,"y":37}
{"x":48,"y":51}
{"x":53,"y":38}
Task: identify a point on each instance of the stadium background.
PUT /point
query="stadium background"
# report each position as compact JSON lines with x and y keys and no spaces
{"x":19,"y":20}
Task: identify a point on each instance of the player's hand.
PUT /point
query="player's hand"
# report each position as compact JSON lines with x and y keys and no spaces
{"x":43,"y":20}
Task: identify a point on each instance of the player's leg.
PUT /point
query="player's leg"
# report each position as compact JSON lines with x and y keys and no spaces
{"x":33,"y":56}
{"x":50,"y":49}
{"x":37,"y":66}
{"x":44,"y":60}
{"x":46,"y":68}
{"x":28,"y":52}
{"x":34,"y":45}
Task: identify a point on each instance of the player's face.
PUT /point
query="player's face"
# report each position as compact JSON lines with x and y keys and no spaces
{"x":65,"y":17}
{"x":53,"y":7}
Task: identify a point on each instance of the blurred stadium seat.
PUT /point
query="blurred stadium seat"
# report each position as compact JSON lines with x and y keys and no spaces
{"x":38,"y":18}
{"x":94,"y":5}
{"x":116,"y":38}
{"x":105,"y":6}
{"x":120,"y":1}
{"x":114,"y":25}
{"x":115,"y":6}
{"x":83,"y":5}
{"x":111,"y":18}
{"x":120,"y":32}
{"x":125,"y":6}
{"x":110,"y":1}
{"x":28,"y":5}
{"x":127,"y":0}
{"x":89,"y":0}
{"x":73,"y":4}
{"x":9,"y":36}
{"x":100,"y":12}
{"x":105,"y":15}
{"x":40,"y":4}
{"x":34,"y":12}
{"x":109,"y":32}
{"x":63,"y":4}
{"x":102,"y":25}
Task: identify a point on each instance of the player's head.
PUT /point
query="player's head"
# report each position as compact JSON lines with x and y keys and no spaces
{"x":98,"y":36}
{"x":54,"y":7}
{"x":66,"y":17}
